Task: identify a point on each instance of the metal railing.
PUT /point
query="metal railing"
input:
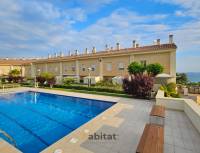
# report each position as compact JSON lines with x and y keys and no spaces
{"x":194,"y":89}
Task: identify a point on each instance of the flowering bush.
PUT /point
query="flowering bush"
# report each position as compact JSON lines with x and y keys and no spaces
{"x":46,"y":77}
{"x":14,"y":76}
{"x":139,"y":85}
{"x":51,"y":81}
{"x":15,"y":79}
{"x":41,"y":80}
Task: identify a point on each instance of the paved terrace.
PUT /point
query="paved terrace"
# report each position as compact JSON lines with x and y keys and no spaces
{"x":126,"y":119}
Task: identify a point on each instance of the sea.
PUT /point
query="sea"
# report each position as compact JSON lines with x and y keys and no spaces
{"x":193,"y":76}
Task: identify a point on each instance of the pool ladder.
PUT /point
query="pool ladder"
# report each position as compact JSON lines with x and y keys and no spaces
{"x":9,"y":137}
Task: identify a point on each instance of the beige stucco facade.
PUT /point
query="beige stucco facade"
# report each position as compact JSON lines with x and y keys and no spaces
{"x":106,"y":64}
{"x":6,"y":65}
{"x":103,"y":64}
{"x":5,"y":69}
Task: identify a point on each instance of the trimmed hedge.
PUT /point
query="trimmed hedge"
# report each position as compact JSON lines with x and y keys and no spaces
{"x":92,"y":88}
{"x":27,"y":84}
{"x":9,"y":85}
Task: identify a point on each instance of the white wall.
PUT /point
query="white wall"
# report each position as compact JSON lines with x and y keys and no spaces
{"x":190,"y":107}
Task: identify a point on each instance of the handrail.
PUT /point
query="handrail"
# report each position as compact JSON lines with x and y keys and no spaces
{"x":8,"y":136}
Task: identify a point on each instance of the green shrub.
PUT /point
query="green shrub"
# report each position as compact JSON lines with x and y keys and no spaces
{"x":104,"y":83}
{"x":171,"y":87}
{"x":14,"y":76}
{"x":27,"y":84}
{"x":181,"y":78}
{"x":193,"y":84}
{"x":92,"y":88}
{"x":14,"y":72}
{"x":174,"y":95}
{"x":154,"y":69}
{"x":68,"y":81}
{"x":170,"y":90}
{"x":47,"y":75}
{"x":108,"y":84}
{"x":3,"y":80}
{"x":136,"y":68}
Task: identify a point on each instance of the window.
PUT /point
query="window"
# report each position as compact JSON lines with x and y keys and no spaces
{"x":73,"y":68}
{"x":93,"y":67}
{"x":65,"y":69}
{"x":51,"y":69}
{"x":109,"y":67}
{"x":143,"y":62}
{"x":83,"y":68}
{"x":121,"y":66}
{"x":56,"y":69}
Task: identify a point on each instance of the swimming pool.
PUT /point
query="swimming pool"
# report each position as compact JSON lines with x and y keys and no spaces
{"x":36,"y":120}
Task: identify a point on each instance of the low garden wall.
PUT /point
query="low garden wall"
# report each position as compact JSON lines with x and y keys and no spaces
{"x":190,"y":107}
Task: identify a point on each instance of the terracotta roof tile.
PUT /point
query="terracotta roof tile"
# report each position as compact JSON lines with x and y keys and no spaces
{"x":99,"y":53}
{"x":14,"y":61}
{"x":113,"y":52}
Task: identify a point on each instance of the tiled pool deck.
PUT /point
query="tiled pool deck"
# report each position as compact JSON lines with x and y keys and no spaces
{"x":126,"y":119}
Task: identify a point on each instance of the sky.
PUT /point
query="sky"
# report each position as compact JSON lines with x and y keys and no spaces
{"x":34,"y":28}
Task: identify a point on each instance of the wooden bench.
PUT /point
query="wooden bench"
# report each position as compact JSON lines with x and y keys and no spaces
{"x":152,"y":140}
{"x":157,"y":115}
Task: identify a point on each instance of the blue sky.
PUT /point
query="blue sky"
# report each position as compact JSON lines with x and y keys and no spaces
{"x":34,"y":28}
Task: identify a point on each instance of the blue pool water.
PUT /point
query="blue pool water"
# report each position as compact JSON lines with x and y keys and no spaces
{"x":36,"y":120}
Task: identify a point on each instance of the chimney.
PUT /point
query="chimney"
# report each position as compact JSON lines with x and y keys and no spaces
{"x":93,"y":50}
{"x":134,"y":43}
{"x":70,"y":53}
{"x":170,"y":38}
{"x":56,"y":55}
{"x":158,"y":42}
{"x":137,"y":45}
{"x":86,"y":51}
{"x":118,"y":46}
{"x":106,"y":47}
{"x":61,"y":54}
{"x":76,"y":52}
{"x":49,"y":55}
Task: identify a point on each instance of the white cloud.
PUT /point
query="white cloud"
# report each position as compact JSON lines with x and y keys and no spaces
{"x":75,"y":14}
{"x":192,"y":7}
{"x":180,"y":13}
{"x":94,"y":5}
{"x":44,"y":9}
